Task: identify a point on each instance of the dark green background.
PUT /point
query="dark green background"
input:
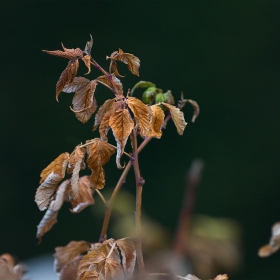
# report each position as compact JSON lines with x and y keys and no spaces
{"x":225,"y":55}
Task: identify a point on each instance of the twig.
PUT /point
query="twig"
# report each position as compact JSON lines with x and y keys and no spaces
{"x":101,"y":196}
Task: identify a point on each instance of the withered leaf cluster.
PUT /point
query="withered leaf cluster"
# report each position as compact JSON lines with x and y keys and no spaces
{"x":77,"y":190}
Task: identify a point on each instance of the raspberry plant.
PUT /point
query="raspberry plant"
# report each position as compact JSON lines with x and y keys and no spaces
{"x":128,"y":118}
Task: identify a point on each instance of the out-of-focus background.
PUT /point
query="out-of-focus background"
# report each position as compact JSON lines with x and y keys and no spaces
{"x":223,"y":54}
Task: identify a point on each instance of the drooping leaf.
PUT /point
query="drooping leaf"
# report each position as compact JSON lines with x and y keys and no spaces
{"x":88,"y":46}
{"x":50,"y":177}
{"x":74,"y":166}
{"x":84,"y":103}
{"x":177,"y":117}
{"x":66,"y":254}
{"x":69,"y":272}
{"x":157,"y":121}
{"x":183,"y":102}
{"x":128,"y":253}
{"x":104,"y":126}
{"x":50,"y":217}
{"x":84,"y":195}
{"x":76,"y":84}
{"x":99,"y":153}
{"x":102,"y":111}
{"x":67,"y":53}
{"x":133,"y":62}
{"x":141,"y":84}
{"x":142,"y":113}
{"x":86,"y":60}
{"x":67,"y":76}
{"x":121,"y":124}
{"x":274,"y":242}
{"x":105,"y":81}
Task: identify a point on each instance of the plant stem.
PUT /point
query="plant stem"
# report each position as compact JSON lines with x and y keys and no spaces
{"x":109,"y":76}
{"x":192,"y":182}
{"x":121,"y":181}
{"x":139,"y":187}
{"x":101,"y":196}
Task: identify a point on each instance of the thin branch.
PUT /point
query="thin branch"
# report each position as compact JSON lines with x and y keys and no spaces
{"x":192,"y":182}
{"x":139,"y":187}
{"x":101,"y":196}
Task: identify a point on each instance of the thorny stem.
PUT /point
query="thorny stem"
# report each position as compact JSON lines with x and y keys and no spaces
{"x":89,"y":143}
{"x":139,"y":187}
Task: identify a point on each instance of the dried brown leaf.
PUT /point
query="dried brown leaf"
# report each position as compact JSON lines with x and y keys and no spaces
{"x":50,"y":177}
{"x":142,"y":114}
{"x":67,"y":76}
{"x":114,"y":69}
{"x":107,"y":106}
{"x":99,"y":153}
{"x":77,"y":84}
{"x":84,"y":103}
{"x":50,"y":217}
{"x":75,"y":163}
{"x":132,"y":61}
{"x":67,"y":53}
{"x":128,"y":254}
{"x":104,"y":126}
{"x":104,"y":80}
{"x":177,"y":117}
{"x":86,"y":60}
{"x":122,"y":125}
{"x":88,"y":46}
{"x":183,"y":102}
{"x":65,"y":255}
{"x":84,"y":195}
{"x":157,"y":121}
{"x":267,"y":250}
{"x":221,"y":277}
{"x":6,"y":270}
{"x":98,"y":265}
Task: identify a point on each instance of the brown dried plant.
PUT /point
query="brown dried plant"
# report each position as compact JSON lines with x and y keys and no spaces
{"x":127,"y":117}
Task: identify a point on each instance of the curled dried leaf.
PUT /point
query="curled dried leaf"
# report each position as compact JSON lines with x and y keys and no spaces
{"x":67,"y":76}
{"x":84,"y":103}
{"x":6,"y":269}
{"x":122,"y":125}
{"x":105,"y":81}
{"x":50,"y":177}
{"x":183,"y":102}
{"x":99,"y":153}
{"x":50,"y":217}
{"x":76,"y":161}
{"x":65,"y":255}
{"x":132,"y":61}
{"x":177,"y":117}
{"x":128,"y":253}
{"x":86,"y":60}
{"x":88,"y":46}
{"x":157,"y":121}
{"x":107,"y":106}
{"x":67,"y":53}
{"x":84,"y":195}
{"x":77,"y":84}
{"x":142,"y":114}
